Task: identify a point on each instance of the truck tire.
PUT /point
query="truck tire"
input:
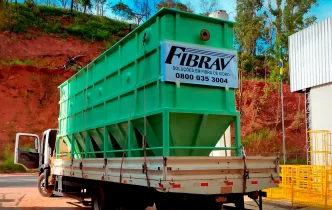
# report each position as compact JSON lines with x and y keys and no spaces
{"x":98,"y":199}
{"x":239,"y":204}
{"x":45,"y":192}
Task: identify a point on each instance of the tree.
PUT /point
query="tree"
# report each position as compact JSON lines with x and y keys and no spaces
{"x":208,"y":6}
{"x":102,"y":7}
{"x":294,"y":20}
{"x":287,"y":20}
{"x":183,"y":7}
{"x":85,"y":4}
{"x":140,"y":12}
{"x":262,"y":33}
{"x":75,"y":4}
{"x":165,"y":3}
{"x":64,"y":3}
{"x":143,"y":9}
{"x":71,"y":6}
{"x":123,"y":10}
{"x":97,"y":7}
{"x":174,"y":4}
{"x":248,"y":31}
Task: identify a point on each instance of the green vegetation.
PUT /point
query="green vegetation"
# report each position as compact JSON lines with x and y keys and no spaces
{"x":18,"y":62}
{"x":267,"y":90}
{"x":295,"y":161}
{"x":8,"y":165}
{"x":262,"y":33}
{"x":19,"y":18}
{"x":264,"y":134}
{"x":255,"y":138}
{"x":299,"y":118}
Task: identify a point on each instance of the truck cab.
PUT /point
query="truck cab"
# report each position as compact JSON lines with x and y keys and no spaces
{"x":32,"y":153}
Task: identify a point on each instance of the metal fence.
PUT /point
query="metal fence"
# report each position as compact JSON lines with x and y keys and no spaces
{"x":305,"y":185}
{"x":309,"y":185}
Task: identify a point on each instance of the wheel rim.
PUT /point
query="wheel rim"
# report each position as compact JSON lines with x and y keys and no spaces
{"x":96,"y":205}
{"x":42,"y":185}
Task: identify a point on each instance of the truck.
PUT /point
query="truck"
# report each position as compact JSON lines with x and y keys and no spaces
{"x":137,"y":125}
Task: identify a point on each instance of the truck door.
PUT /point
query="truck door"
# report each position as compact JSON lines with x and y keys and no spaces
{"x":27,"y":150}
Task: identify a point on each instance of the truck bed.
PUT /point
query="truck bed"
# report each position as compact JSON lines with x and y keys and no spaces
{"x":194,"y":175}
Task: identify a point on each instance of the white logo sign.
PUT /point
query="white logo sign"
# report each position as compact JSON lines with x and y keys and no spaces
{"x":182,"y":63}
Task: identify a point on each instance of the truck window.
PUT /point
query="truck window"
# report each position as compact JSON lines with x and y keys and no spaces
{"x":28,"y":144}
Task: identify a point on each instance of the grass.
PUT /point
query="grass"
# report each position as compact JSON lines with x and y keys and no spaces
{"x":7,"y":165}
{"x":294,"y":162}
{"x":18,"y":62}
{"x":19,"y":18}
{"x":261,"y":135}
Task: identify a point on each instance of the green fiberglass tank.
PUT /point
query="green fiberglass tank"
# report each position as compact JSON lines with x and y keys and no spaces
{"x":171,"y":79}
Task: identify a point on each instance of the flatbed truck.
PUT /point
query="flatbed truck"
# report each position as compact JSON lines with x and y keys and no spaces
{"x":137,"y":124}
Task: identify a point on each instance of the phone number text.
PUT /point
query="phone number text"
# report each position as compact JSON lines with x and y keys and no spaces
{"x":200,"y":78}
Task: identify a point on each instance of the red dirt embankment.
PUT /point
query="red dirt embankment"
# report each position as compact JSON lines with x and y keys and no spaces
{"x":29,"y":103}
{"x":261,"y":115}
{"x":45,"y":50}
{"x":29,"y":95}
{"x":29,"y":100}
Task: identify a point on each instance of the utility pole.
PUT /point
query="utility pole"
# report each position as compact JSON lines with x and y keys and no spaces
{"x":281,"y":65}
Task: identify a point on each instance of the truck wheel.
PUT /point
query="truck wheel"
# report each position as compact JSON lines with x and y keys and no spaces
{"x":42,"y":187}
{"x":239,"y":204}
{"x":98,"y":199}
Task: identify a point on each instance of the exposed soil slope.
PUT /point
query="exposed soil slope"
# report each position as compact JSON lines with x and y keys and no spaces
{"x":45,"y":50}
{"x":29,"y":95}
{"x":29,"y":100}
{"x":261,"y":126}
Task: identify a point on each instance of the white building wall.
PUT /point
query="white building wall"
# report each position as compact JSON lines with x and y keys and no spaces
{"x":310,"y":56}
{"x":321,"y":119}
{"x":221,"y":143}
{"x":321,"y":107}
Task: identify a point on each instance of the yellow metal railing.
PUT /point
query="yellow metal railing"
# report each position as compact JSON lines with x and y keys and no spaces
{"x":309,"y":185}
{"x":319,"y":152}
{"x":305,"y":185}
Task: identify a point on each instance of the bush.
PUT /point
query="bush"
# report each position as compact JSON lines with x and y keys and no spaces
{"x":51,"y":11}
{"x":63,"y":35}
{"x":88,"y":32}
{"x":8,"y":164}
{"x":20,"y":28}
{"x":6,"y":153}
{"x":18,"y":62}
{"x":19,"y":18}
{"x":261,"y":135}
{"x":51,"y":28}
{"x":100,"y":35}
{"x":294,"y":161}
{"x":120,"y":33}
{"x":75,"y":30}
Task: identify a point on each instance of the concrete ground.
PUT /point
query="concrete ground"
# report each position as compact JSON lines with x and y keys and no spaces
{"x":19,"y":192}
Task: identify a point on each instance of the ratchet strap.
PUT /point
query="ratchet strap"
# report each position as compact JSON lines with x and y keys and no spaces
{"x":245,"y":170}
